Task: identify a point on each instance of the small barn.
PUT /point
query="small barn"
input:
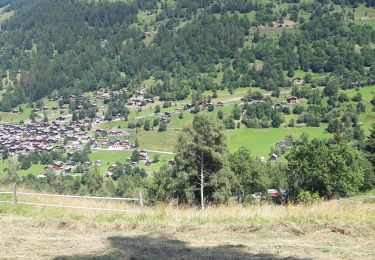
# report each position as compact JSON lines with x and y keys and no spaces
{"x":292,"y":100}
{"x":273,"y":157}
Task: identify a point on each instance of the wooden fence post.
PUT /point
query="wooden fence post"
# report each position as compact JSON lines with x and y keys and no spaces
{"x":141,"y":202}
{"x":15,"y":193}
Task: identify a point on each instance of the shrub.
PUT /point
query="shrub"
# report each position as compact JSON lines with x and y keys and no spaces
{"x":307,"y":197}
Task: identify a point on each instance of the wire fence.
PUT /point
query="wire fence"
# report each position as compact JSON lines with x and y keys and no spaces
{"x":15,"y":201}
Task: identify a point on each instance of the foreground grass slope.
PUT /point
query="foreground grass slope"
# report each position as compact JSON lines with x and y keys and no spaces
{"x":342,"y":229}
{"x":45,"y":239}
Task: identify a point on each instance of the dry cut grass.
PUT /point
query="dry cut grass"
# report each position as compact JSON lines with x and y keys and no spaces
{"x":328,"y":230}
{"x":344,"y":211}
{"x":320,"y":213}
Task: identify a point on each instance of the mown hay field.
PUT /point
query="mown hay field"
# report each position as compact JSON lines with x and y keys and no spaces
{"x":339,"y":229}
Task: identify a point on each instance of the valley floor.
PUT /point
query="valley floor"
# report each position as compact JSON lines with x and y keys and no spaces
{"x":32,"y":238}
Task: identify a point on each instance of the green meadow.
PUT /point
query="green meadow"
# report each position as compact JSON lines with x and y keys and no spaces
{"x":9,"y":117}
{"x":107,"y":157}
{"x":35,"y":169}
{"x":366,"y":119}
{"x":5,"y":15}
{"x":367,"y":92}
{"x":365,"y":15}
{"x":110,"y":157}
{"x":158,"y":141}
{"x":260,"y":141}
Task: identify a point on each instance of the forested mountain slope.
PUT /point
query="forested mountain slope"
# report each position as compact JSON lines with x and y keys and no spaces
{"x":72,"y":46}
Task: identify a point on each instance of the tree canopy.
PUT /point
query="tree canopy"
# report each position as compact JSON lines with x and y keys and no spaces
{"x":329,"y":168}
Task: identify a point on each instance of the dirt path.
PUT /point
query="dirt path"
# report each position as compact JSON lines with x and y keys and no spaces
{"x":126,"y":150}
{"x":25,"y":238}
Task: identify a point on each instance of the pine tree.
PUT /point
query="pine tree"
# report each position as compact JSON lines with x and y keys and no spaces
{"x":74,"y":116}
{"x":5,"y":153}
{"x":45,"y":118}
{"x":162,"y":126}
{"x":236,"y":112}
{"x":147,"y":125}
{"x":370,"y":146}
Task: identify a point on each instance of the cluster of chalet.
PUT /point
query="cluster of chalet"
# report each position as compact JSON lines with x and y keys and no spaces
{"x":289,"y":100}
{"x":283,"y":146}
{"x":250,"y":100}
{"x":166,"y":116}
{"x":45,"y":108}
{"x":139,"y":99}
{"x":98,"y":119}
{"x":112,"y":132}
{"x":204,"y":105}
{"x":102,"y":96}
{"x":115,"y":144}
{"x":142,"y":158}
{"x":40,"y":137}
{"x":298,"y":80}
{"x":59,"y":167}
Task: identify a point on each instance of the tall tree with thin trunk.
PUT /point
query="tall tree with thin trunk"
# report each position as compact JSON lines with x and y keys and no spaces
{"x":201,"y":172}
{"x":370,"y":146}
{"x":11,"y":170}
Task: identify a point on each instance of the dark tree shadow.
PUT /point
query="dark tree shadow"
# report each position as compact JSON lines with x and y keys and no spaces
{"x":142,"y":247}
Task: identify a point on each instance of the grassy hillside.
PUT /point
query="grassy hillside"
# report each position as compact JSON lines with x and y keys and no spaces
{"x":110,"y":157}
{"x":260,"y":141}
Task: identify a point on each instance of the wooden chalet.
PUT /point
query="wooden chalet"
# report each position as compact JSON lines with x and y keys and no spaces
{"x":292,"y":100}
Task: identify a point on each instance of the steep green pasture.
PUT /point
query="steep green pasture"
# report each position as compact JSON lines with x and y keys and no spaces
{"x":368,"y":118}
{"x":365,"y":15}
{"x":260,"y":141}
{"x":363,"y":12}
{"x":5,"y":15}
{"x":110,"y":157}
{"x":9,"y":117}
{"x":158,"y":141}
{"x":367,"y":92}
{"x":35,"y":169}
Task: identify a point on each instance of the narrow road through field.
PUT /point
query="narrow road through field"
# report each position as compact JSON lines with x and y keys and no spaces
{"x":161,"y":152}
{"x":140,"y":117}
{"x":127,"y":150}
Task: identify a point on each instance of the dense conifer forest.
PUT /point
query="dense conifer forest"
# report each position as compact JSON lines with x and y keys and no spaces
{"x":73,"y":46}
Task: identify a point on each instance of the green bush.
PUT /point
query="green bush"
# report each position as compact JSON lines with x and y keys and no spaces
{"x":307,"y":197}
